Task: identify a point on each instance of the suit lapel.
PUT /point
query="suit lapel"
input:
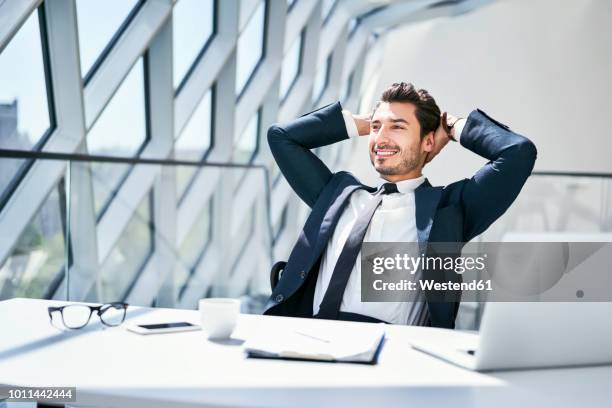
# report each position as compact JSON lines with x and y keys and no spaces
{"x":326,"y":222}
{"x":426,"y":200}
{"x":330,"y":219}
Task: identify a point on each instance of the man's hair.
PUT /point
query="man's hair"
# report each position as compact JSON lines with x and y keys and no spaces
{"x":427,"y":111}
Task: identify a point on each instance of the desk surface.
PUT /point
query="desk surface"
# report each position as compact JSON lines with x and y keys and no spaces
{"x":112,"y":367}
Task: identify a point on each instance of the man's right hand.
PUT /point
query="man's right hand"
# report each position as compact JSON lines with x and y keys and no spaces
{"x":363,"y":124}
{"x":441,"y":137}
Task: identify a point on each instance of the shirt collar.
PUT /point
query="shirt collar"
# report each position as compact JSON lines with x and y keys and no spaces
{"x":404,"y":186}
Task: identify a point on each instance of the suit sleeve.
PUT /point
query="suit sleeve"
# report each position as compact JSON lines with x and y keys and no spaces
{"x":291,"y":145}
{"x":489,"y":193}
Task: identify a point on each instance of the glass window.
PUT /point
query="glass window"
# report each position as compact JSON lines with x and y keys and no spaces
{"x":98,"y":23}
{"x":38,"y":256}
{"x":25,"y":114}
{"x":194,"y":245}
{"x":326,"y":9}
{"x":193,"y":25}
{"x":352,"y":27}
{"x":321,"y":80}
{"x":280,"y":225}
{"x":247,"y":144}
{"x":250,"y":48}
{"x":193,"y":142}
{"x":245,"y":234}
{"x":129,"y":255}
{"x":275,"y":173}
{"x":347,"y":87}
{"x":291,"y":67}
{"x":121,"y":130}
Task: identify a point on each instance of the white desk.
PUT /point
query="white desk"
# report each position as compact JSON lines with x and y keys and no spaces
{"x":116,"y":368}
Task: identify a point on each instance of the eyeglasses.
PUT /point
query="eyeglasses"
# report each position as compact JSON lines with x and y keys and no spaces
{"x":77,"y":316}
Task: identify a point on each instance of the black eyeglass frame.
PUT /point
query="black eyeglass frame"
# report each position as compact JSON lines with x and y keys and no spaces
{"x":101,"y":309}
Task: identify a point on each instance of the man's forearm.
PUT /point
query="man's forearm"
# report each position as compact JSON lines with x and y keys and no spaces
{"x":490,"y":139}
{"x":489,"y":193}
{"x":291,"y":143}
{"x":319,"y":128}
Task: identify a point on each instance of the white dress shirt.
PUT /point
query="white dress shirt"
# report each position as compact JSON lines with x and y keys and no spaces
{"x":393,"y":221}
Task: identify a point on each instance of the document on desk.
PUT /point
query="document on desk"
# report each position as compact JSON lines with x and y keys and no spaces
{"x":317,"y":340}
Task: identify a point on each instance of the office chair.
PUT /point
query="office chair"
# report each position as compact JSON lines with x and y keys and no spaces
{"x":275,"y":273}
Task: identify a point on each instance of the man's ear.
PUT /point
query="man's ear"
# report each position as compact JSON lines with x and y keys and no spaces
{"x":428,"y":142}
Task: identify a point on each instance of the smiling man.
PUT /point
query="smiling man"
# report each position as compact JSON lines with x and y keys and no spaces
{"x":406,"y":131}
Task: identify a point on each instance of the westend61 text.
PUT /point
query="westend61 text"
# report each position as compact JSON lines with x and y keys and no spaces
{"x":424,"y":284}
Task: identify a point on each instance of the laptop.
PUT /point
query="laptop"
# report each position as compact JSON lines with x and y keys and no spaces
{"x":532,"y":335}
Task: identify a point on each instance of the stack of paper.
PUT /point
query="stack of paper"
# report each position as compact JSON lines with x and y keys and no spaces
{"x":321,"y":340}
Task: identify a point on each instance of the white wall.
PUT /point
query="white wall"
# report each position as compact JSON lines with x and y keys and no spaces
{"x":543,"y":67}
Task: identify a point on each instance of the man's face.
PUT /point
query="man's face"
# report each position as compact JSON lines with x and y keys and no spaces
{"x":395,"y":144}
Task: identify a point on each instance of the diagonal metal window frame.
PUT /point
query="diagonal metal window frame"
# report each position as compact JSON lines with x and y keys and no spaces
{"x":207,"y":43}
{"x":264,"y":48}
{"x":143,"y":145}
{"x":111,"y":43}
{"x":24,"y":167}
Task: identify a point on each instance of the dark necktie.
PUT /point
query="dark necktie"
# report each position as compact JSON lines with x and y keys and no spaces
{"x":330,"y":305}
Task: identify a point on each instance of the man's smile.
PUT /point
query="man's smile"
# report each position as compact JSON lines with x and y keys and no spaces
{"x":385,"y":153}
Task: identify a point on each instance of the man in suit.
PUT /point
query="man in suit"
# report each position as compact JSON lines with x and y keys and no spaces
{"x":406,"y":130}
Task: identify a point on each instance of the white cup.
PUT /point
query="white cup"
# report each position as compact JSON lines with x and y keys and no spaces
{"x":219,"y":316}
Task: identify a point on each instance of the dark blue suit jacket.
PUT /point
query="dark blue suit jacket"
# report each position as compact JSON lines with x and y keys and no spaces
{"x":454,"y":213}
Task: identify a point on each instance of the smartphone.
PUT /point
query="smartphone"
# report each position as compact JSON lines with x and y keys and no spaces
{"x":155,"y":328}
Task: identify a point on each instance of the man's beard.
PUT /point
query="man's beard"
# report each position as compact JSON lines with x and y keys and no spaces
{"x":409,"y":160}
